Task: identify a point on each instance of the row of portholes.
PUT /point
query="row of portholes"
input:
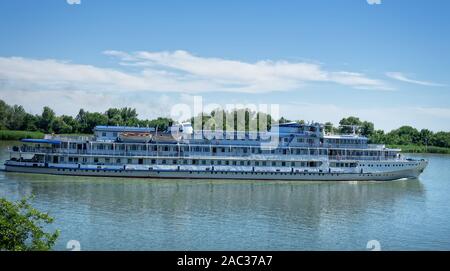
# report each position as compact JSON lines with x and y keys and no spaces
{"x":236,"y":173}
{"x":388,"y":165}
{"x":86,"y":170}
{"x":212,"y":172}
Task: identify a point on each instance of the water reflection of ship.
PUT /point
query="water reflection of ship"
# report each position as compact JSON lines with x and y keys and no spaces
{"x":301,"y":204}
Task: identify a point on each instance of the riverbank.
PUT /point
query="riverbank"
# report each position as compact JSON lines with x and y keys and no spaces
{"x":420,"y":149}
{"x":17,"y":135}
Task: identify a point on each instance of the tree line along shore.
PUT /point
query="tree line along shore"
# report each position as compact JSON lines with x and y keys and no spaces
{"x":16,"y":123}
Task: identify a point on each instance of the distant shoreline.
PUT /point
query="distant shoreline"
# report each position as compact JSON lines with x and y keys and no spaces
{"x":420,"y":149}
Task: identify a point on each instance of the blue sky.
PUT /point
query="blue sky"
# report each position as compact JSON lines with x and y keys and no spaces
{"x":319,"y":60}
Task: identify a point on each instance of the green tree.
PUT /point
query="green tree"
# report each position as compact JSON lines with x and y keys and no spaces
{"x":441,"y":139}
{"x":425,"y":136}
{"x":367,"y":128}
{"x":72,"y":123}
{"x":114,"y":117}
{"x":21,"y":227}
{"x":46,"y":119}
{"x":81,"y":119}
{"x":404,"y":135}
{"x":61,"y":127}
{"x":4,"y":109}
{"x":348,"y":123}
{"x":31,"y":123}
{"x":94,"y":119}
{"x":129,"y":116}
{"x":328,"y":127}
{"x":378,"y":137}
{"x":16,"y":118}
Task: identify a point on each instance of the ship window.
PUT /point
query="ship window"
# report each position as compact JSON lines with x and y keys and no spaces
{"x":292,"y":164}
{"x":219,"y":162}
{"x":153,"y":161}
{"x":227,"y":162}
{"x":194,"y":162}
{"x":264,"y":163}
{"x":174,"y":162}
{"x":163,"y":161}
{"x":203,"y":162}
{"x":274,"y":163}
{"x":107,"y":160}
{"x":115,"y":134}
{"x":256,"y":163}
{"x":234,"y":163}
{"x":95,"y":159}
{"x":129,"y":161}
{"x":104,"y":134}
{"x":118,"y":161}
{"x":242,"y":163}
{"x":283,"y":163}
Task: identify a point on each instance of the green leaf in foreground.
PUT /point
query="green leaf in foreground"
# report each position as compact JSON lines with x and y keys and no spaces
{"x":21,"y":227}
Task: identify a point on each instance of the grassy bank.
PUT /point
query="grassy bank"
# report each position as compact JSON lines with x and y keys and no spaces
{"x":16,"y":135}
{"x":421,"y":149}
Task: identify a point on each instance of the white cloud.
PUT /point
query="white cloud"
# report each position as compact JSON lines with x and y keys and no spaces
{"x":401,"y":77}
{"x":72,"y":2}
{"x":233,"y":75}
{"x":177,"y":71}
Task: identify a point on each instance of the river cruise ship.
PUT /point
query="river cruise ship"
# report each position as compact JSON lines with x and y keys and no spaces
{"x":289,"y":151}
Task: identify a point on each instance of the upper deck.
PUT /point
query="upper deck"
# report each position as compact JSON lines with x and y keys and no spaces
{"x":289,"y":135}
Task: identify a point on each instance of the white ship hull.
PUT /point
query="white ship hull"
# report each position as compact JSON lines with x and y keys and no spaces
{"x":301,"y":152}
{"x":410,"y":173}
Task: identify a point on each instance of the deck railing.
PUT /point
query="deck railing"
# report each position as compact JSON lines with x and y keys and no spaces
{"x":77,"y":138}
{"x":182,"y":154}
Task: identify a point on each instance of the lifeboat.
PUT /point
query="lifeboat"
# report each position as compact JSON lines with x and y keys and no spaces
{"x":135,"y":137}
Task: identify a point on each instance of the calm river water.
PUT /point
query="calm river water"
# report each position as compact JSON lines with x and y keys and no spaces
{"x":147,"y":214}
